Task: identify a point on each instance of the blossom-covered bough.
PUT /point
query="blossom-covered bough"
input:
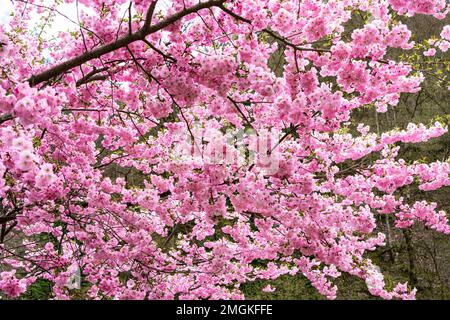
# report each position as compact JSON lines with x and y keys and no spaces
{"x":154,"y":151}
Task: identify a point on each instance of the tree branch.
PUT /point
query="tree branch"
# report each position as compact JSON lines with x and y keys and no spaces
{"x":241,"y":113}
{"x":122,"y":42}
{"x":149,"y":16}
{"x":5,"y":117}
{"x":88,"y":77}
{"x":270,"y":32}
{"x":234,"y":15}
{"x":7,"y":219}
{"x":290,"y":44}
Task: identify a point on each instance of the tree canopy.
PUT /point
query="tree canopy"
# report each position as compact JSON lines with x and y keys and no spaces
{"x":180,"y":151}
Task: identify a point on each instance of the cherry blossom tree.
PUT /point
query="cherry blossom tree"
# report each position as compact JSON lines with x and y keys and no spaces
{"x":240,"y":173}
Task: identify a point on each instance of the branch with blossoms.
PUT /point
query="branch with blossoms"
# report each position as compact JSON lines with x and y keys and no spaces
{"x":139,"y":35}
{"x":157,"y":153}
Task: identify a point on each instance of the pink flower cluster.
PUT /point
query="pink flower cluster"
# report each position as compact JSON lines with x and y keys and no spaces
{"x":88,"y":147}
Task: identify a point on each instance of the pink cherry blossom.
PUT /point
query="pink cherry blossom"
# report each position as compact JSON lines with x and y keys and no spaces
{"x":430,"y":52}
{"x":164,"y":158}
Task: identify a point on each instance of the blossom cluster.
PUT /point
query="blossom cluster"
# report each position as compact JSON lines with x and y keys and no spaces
{"x":96,"y":180}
